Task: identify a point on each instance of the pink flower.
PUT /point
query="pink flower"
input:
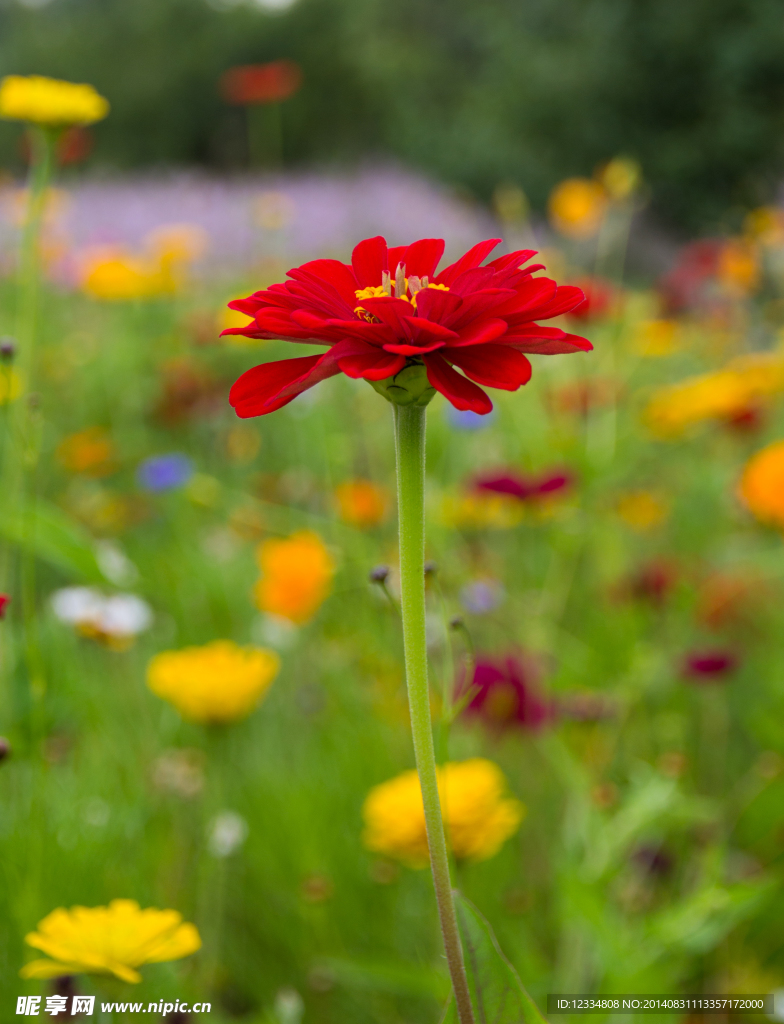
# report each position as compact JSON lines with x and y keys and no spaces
{"x":709,"y":666}
{"x":525,"y":488}
{"x":506,"y":693}
{"x":4,"y":599}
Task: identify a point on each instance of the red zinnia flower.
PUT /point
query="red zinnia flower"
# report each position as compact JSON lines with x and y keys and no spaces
{"x":4,"y":599}
{"x":524,"y":488}
{"x":387,"y":311}
{"x":261,"y":83}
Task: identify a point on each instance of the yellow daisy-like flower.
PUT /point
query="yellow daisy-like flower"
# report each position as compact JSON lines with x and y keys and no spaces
{"x":296,"y":576}
{"x":761,"y":486}
{"x":217,"y":683}
{"x":111,"y":940}
{"x":478,"y":817}
{"x":722,"y":395}
{"x":49,"y":101}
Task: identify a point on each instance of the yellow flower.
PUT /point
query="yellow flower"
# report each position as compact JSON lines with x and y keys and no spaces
{"x":217,"y":683}
{"x":577,"y":206}
{"x":724,"y":394}
{"x":478,"y":817}
{"x":481,"y":511}
{"x":118,"y":276}
{"x":10,"y":385}
{"x":621,"y":177}
{"x":296,"y":576}
{"x":766,"y":225}
{"x":49,"y":101}
{"x":88,"y":451}
{"x":655,"y":338}
{"x":762,"y":484}
{"x":642,"y":510}
{"x":361,"y":503}
{"x":111,"y":940}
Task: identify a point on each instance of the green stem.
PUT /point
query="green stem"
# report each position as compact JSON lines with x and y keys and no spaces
{"x":410,"y":450}
{"x":21,"y":457}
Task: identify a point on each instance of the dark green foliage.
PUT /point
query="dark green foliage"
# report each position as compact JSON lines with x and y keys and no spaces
{"x":474,"y":93}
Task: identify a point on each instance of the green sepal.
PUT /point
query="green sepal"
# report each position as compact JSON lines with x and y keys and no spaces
{"x":409,"y":387}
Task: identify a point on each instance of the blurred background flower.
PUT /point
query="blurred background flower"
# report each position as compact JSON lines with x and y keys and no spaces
{"x":164,"y":472}
{"x":478,"y":816}
{"x":296,"y":576}
{"x":361,"y":503}
{"x":113,"y":940}
{"x":217,"y":683}
{"x":505,"y":691}
{"x":114,"y":621}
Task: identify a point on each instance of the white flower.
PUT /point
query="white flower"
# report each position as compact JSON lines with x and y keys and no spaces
{"x":119,"y":617}
{"x":227,"y":832}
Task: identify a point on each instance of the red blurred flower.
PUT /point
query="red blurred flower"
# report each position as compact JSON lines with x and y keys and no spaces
{"x":506,"y":693}
{"x":4,"y":599}
{"x":525,"y":488}
{"x":651,"y":582}
{"x":709,"y":666}
{"x":386,"y":311}
{"x":684,"y":286}
{"x":599,"y":296}
{"x":261,"y":83}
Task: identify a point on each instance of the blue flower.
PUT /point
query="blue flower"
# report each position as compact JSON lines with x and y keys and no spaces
{"x":164,"y":472}
{"x":481,"y":596}
{"x":465,"y":419}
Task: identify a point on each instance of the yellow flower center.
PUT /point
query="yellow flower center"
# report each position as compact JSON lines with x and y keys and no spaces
{"x":399,"y":287}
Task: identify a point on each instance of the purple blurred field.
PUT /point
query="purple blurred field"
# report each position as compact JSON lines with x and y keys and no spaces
{"x":323,"y":214}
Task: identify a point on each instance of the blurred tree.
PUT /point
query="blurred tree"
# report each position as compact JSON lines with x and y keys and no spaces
{"x":525,"y":91}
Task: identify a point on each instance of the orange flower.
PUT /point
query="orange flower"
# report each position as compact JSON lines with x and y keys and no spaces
{"x":738,"y":269}
{"x":261,"y":83}
{"x":296,"y":576}
{"x":577,"y":206}
{"x":361,"y":503}
{"x":88,"y":451}
{"x":762,"y":484}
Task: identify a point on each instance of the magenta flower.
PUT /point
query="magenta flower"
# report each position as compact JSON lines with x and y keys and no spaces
{"x":709,"y":666}
{"x":525,"y":488}
{"x":506,"y":693}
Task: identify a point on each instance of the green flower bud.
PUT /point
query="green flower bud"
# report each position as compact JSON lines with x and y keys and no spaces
{"x":409,"y":387}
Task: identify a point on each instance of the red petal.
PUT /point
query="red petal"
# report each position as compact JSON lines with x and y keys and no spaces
{"x":437,"y":305}
{"x":495,"y":366}
{"x":372,"y":365}
{"x":335,"y":273}
{"x":430,"y":327}
{"x":267,"y":387}
{"x":460,"y":392}
{"x":369,"y":260}
{"x":480,"y":332}
{"x":471,"y":259}
{"x":512,"y":259}
{"x":392,"y":312}
{"x":413,"y":350}
{"x":554,"y":342}
{"x":421,"y":258}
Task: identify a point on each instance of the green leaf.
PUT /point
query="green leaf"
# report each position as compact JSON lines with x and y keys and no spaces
{"x":54,"y":537}
{"x":497,"y":994}
{"x":397,"y":978}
